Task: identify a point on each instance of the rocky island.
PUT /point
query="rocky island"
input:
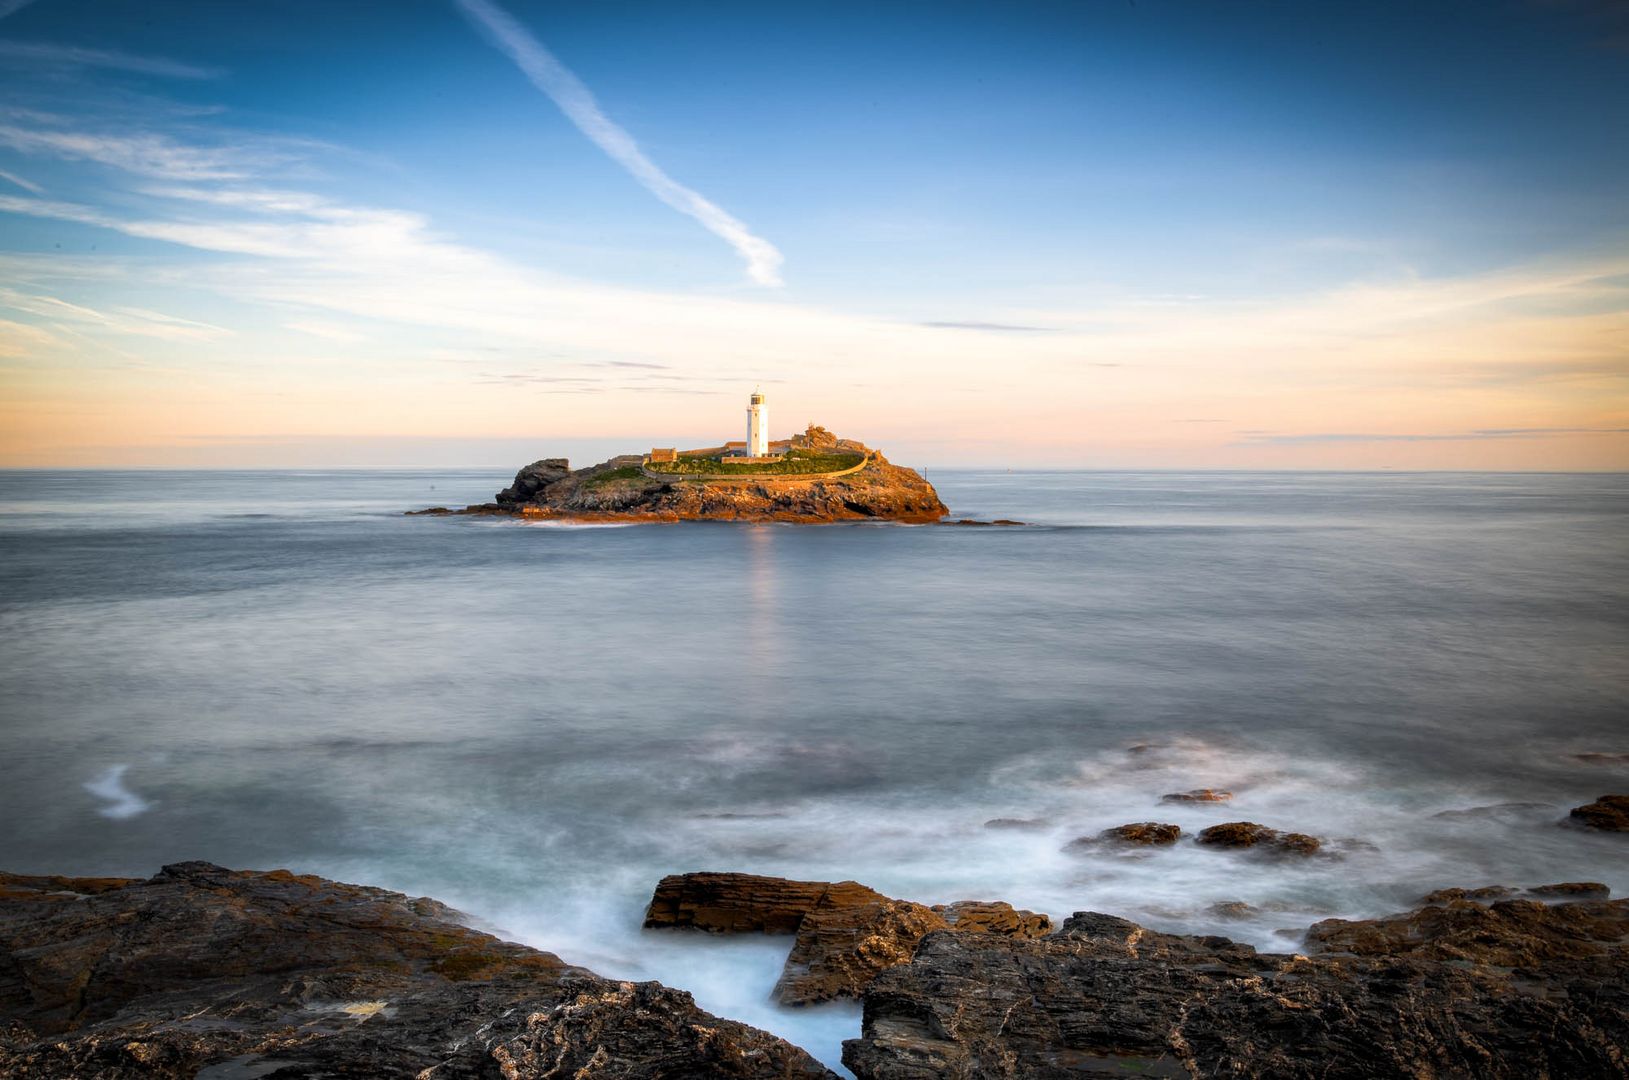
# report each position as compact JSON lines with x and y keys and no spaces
{"x":813,"y":477}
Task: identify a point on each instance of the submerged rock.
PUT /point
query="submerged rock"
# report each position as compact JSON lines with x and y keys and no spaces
{"x":1136,"y":834}
{"x":1609,"y":813}
{"x":1015,"y":823}
{"x":1233,"y":909}
{"x":1198,"y":795}
{"x":263,"y":974}
{"x":1485,"y":894}
{"x":1494,"y":810}
{"x":1420,"y":996}
{"x":845,"y":933}
{"x":1579,"y":890}
{"x":1248,"y":834}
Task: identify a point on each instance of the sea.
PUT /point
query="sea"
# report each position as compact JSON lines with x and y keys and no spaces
{"x":535,"y":722}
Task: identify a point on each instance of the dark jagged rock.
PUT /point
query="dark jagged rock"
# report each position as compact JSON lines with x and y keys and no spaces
{"x":1524,"y":934}
{"x":1136,"y":834}
{"x":1572,"y":890}
{"x":1609,"y":813}
{"x":534,"y":479}
{"x":1431,"y":994}
{"x":846,"y":933}
{"x":839,"y":950}
{"x":1248,"y":834}
{"x":725,"y":903}
{"x":1560,"y":892}
{"x":276,"y":974}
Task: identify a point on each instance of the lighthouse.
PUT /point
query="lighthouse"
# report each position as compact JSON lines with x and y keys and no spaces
{"x":757,"y":426}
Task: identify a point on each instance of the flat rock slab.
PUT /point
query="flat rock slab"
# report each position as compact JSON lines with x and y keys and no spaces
{"x":845,"y":932}
{"x":205,"y":971}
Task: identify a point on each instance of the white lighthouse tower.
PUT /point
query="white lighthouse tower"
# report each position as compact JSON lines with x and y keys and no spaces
{"x":757,"y":426}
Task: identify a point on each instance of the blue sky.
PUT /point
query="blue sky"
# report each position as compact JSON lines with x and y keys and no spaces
{"x":1066,"y":231}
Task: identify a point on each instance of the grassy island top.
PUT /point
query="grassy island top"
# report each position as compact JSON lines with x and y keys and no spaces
{"x":796,"y":462}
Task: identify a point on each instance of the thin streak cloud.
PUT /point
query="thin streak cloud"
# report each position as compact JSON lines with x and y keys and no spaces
{"x":40,"y":52}
{"x":1453,"y":436}
{"x":1010,"y":328}
{"x":577,"y":102}
{"x":26,"y":185}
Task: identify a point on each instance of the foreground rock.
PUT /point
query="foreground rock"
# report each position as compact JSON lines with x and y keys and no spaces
{"x":1248,"y":834}
{"x":273,"y":974}
{"x":1510,"y":990}
{"x":1609,"y":813}
{"x":846,"y":934}
{"x":623,"y":490}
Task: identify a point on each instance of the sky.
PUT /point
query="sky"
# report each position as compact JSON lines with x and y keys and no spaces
{"x":1095,"y":234}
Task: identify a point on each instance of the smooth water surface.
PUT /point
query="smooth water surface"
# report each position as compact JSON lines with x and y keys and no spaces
{"x":534,"y":723}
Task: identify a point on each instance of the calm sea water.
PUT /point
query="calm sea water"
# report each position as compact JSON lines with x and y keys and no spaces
{"x":534,"y":723}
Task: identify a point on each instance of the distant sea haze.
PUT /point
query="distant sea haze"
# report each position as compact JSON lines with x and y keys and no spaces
{"x":534,"y":723}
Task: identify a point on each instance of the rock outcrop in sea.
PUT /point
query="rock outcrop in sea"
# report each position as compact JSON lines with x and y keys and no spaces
{"x":845,"y":933}
{"x":1609,"y":813}
{"x":628,"y":488}
{"x":1504,"y":990}
{"x":203,"y":971}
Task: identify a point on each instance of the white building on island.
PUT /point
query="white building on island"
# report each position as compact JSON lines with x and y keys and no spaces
{"x":757,"y":426}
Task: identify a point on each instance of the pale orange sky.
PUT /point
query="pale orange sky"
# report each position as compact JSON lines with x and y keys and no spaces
{"x":1520,"y":369}
{"x":215,"y":260}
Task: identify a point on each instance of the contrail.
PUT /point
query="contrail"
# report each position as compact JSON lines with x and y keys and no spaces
{"x":12,"y":7}
{"x":577,"y":102}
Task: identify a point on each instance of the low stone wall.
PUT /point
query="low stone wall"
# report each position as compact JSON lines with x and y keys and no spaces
{"x":749,"y":478}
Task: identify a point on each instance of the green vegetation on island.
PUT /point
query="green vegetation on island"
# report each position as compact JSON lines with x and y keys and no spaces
{"x":610,"y":476}
{"x":794,"y":463}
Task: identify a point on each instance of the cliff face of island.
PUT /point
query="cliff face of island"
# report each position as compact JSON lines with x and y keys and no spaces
{"x":816,"y":478}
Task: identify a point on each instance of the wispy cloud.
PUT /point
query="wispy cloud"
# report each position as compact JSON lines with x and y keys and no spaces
{"x":1009,"y":328}
{"x":72,"y":56}
{"x":1441,"y":436}
{"x":12,"y":7}
{"x":26,"y":185}
{"x":122,"y":320}
{"x":577,"y":102}
{"x":141,"y":153}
